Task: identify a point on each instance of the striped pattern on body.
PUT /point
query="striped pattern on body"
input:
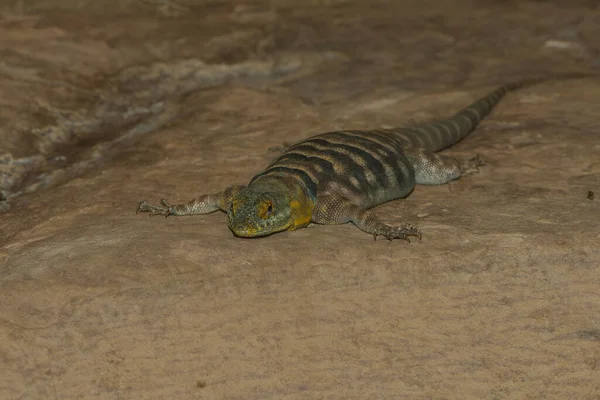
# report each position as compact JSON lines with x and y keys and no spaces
{"x":363,"y":166}
{"x":341,"y":175}
{"x":371,"y":167}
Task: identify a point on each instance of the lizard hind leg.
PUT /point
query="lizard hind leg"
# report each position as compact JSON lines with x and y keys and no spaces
{"x":332,"y":209}
{"x":433,"y":169}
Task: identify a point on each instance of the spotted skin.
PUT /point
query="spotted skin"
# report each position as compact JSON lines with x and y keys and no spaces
{"x":338,"y":177}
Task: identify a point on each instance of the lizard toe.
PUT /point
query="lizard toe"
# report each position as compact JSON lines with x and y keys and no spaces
{"x":471,"y":166}
{"x":404,"y":232}
{"x":153,"y":210}
{"x":144,"y":206}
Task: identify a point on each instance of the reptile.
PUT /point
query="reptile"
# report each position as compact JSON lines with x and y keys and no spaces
{"x":338,"y":177}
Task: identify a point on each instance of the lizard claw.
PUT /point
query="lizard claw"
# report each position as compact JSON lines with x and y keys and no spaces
{"x":164,"y":209}
{"x":471,"y":166}
{"x":404,"y":232}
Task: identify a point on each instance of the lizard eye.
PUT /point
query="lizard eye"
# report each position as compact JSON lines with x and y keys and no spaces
{"x":266,"y":209}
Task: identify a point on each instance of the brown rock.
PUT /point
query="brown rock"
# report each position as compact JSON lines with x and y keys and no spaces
{"x":115,"y":102}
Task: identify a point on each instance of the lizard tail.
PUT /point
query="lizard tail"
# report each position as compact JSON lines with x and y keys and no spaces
{"x":438,"y":135}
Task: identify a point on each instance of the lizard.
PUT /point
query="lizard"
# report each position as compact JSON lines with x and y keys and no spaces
{"x":339,"y":177}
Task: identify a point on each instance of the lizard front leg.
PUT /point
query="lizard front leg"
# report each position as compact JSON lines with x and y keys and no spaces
{"x":332,"y":209}
{"x":203,"y":204}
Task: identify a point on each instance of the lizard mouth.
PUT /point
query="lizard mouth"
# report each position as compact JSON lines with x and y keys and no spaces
{"x":247,"y":231}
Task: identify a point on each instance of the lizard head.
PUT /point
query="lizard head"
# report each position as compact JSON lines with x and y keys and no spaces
{"x":260,"y":210}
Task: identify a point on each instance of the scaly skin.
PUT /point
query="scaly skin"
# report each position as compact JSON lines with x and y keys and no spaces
{"x":337,"y":177}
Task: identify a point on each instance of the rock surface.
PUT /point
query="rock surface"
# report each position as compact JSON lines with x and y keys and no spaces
{"x":106,"y":104}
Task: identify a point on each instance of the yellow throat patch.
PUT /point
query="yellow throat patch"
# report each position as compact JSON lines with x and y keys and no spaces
{"x":301,"y":213}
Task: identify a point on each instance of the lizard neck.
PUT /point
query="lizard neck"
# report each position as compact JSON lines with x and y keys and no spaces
{"x":293,"y":194}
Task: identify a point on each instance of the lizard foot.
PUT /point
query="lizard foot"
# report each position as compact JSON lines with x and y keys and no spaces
{"x":164,"y":209}
{"x":469,"y":167}
{"x":402,"y":232}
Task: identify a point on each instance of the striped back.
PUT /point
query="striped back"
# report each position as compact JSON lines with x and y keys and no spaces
{"x":366,"y":167}
{"x":370,"y":167}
